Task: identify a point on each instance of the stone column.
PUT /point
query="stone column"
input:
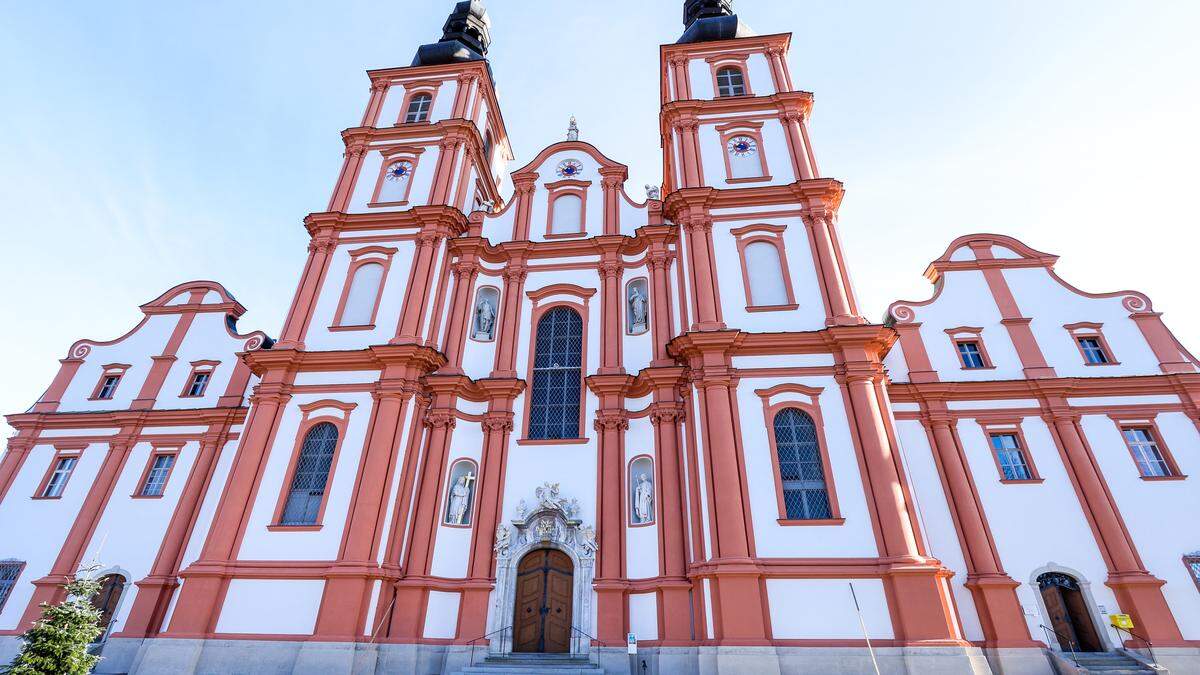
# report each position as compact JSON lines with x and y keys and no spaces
{"x":420,"y":282}
{"x":666,"y":413}
{"x":319,"y":251}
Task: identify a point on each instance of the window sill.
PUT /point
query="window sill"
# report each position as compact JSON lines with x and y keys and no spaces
{"x":978,"y":368}
{"x":772,"y":308}
{"x":145,"y":496}
{"x":47,"y":498}
{"x":191,"y":396}
{"x":566,"y":235}
{"x":790,"y":522}
{"x":1155,"y":479}
{"x":293,"y":528}
{"x":97,"y":398}
{"x":375,"y":205}
{"x":752,"y":179}
{"x":552,"y":441}
{"x":1022,"y":481}
{"x":339,"y":329}
{"x":1101,"y":365}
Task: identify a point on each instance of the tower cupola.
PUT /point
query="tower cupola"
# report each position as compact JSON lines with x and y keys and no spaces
{"x":465,"y":37}
{"x":708,"y":20}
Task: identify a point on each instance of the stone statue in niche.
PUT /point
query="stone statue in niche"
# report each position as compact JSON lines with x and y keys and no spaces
{"x":460,"y":500}
{"x":485,"y":319}
{"x":637,"y":309}
{"x":643,"y":500}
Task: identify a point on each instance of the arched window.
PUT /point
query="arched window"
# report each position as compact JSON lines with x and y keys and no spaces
{"x":567,"y":215}
{"x":418,"y":109}
{"x":765,"y":272}
{"x":805,"y":496}
{"x":557,"y":375}
{"x":312,"y":472}
{"x":363,"y":295}
{"x":730,"y":82}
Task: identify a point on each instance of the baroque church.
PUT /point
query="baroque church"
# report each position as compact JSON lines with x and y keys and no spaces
{"x":525,"y":419}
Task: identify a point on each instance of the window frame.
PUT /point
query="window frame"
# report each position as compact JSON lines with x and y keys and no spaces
{"x":1149,"y":424}
{"x":413,"y":90}
{"x":368,"y":255}
{"x":727,"y":132}
{"x":580,"y":303}
{"x":445,"y":502}
{"x":807,"y":400}
{"x":60,"y":453}
{"x":563,"y":188}
{"x":1085,"y":330}
{"x":739,"y":62}
{"x":991,"y":428}
{"x":307,"y":422}
{"x":974,"y":334}
{"x":155,"y":453}
{"x":391,"y":156}
{"x":208,"y":367}
{"x":774,"y":235}
{"x":20,"y":567}
{"x":116,"y":370}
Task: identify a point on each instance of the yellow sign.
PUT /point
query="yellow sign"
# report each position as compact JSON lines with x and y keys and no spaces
{"x":1121,"y":620}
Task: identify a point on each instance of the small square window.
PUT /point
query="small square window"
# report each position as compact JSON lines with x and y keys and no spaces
{"x":108,"y":387}
{"x":156,"y":477}
{"x":971,"y":354}
{"x":59,"y":477}
{"x":199,"y":382}
{"x":1093,"y":351}
{"x":1011,"y":457}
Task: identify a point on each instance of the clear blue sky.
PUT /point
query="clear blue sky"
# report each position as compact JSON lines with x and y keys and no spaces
{"x":144,"y":144}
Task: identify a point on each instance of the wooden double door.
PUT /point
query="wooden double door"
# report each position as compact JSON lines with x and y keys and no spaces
{"x":1068,"y":610}
{"x":542,"y":611}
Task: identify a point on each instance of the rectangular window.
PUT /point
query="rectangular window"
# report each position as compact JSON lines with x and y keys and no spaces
{"x":1011,"y":457}
{"x":1147,"y":454}
{"x":1192,"y":561}
{"x":156,"y":478}
{"x":971,"y":354}
{"x":108,"y":387}
{"x":1093,"y":351}
{"x":58,"y":478}
{"x":730,"y":82}
{"x":199,"y":383}
{"x":9,"y":571}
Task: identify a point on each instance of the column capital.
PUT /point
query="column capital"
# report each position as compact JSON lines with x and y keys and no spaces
{"x":668,"y":412}
{"x":611,"y":420}
{"x":498,"y":421}
{"x":381,"y":85}
{"x":440,"y":419}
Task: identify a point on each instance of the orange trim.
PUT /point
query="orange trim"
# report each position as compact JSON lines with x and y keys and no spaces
{"x":306,"y":424}
{"x":969,"y":334}
{"x":813,"y":409}
{"x":771,"y":234}
{"x":140,"y":485}
{"x":358,"y":260}
{"x":563,"y":188}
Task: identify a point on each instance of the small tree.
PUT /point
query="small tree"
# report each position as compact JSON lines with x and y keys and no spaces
{"x":57,"y":643}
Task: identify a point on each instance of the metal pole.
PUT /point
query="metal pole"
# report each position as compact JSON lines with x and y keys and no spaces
{"x":863,"y":623}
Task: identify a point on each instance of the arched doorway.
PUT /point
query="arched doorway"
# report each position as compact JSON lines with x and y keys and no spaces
{"x":542,"y":610}
{"x":107,"y":601}
{"x":1068,"y":611}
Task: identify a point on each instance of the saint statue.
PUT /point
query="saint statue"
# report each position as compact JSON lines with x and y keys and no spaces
{"x":485,"y":319}
{"x":460,"y":499}
{"x":643,"y":499}
{"x":637,"y":309}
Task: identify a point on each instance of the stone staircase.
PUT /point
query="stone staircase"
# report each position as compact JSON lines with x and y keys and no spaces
{"x":1110,"y":663}
{"x":533,"y":664}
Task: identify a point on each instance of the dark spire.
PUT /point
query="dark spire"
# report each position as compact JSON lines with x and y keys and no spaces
{"x":465,"y":37}
{"x":708,"y":20}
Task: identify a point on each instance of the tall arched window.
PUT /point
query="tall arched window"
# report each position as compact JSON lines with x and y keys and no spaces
{"x":567,"y":216}
{"x":418,"y":109}
{"x":805,"y":496}
{"x":765,"y":273}
{"x":307,"y":490}
{"x":362,"y":295}
{"x":557,"y":375}
{"x":730,"y":82}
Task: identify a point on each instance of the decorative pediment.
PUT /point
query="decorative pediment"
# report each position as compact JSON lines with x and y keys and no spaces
{"x":553,"y":520}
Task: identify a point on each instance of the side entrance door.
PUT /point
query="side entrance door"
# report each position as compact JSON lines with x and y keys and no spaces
{"x":542,"y":611}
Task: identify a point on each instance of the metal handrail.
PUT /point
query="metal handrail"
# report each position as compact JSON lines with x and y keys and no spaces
{"x":1149,"y":644}
{"x":589,"y":637}
{"x":1070,"y":642}
{"x":485,"y":636}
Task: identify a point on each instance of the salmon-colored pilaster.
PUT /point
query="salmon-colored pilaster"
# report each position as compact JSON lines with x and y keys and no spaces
{"x":523,"y":186}
{"x":613,"y":179}
{"x":343,"y":190}
{"x":612,"y":421}
{"x":666,"y":414}
{"x":920,"y":369}
{"x":661,"y":330}
{"x":199,"y":603}
{"x":49,"y":588}
{"x":379,"y":89}
{"x":420,"y":284}
{"x":466,"y":271}
{"x":818,"y":217}
{"x":506,"y":341}
{"x":53,"y":396}
{"x":685,"y":129}
{"x":994,"y":592}
{"x":1033,"y":361}
{"x":14,"y":458}
{"x":319,"y":250}
{"x":466,"y":84}
{"x":1138,"y":592}
{"x":1166,"y":349}
{"x":155,"y":590}
{"x":447,"y":161}
{"x":700,"y":261}
{"x":612,"y":319}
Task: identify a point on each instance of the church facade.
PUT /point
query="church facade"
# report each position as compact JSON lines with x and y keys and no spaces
{"x":518,"y":413}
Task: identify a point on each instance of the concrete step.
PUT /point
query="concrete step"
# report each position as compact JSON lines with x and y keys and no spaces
{"x":1109,"y":663}
{"x":533,"y":664}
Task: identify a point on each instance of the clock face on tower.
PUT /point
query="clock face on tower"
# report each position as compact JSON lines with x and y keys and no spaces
{"x":399,"y":171}
{"x":742,"y":146}
{"x":569,"y":168}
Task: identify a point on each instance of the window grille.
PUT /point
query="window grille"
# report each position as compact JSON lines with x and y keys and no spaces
{"x":9,"y":571}
{"x":730,"y":82}
{"x":805,"y":496}
{"x":557,"y":366}
{"x":58,"y":479}
{"x":418,"y":109}
{"x":1093,"y":351}
{"x":156,"y":480}
{"x":1011,"y":457}
{"x":971,"y":354}
{"x":1146,"y":453}
{"x":312,"y":472}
